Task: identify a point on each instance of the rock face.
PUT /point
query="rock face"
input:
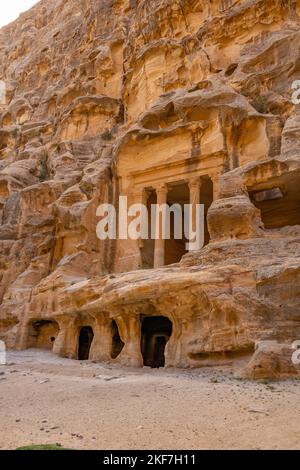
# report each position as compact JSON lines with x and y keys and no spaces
{"x":271,"y":360}
{"x":167,"y":101}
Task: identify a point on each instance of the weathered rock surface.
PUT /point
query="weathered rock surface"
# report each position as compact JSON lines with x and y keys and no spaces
{"x":271,"y":360}
{"x":109,"y":97}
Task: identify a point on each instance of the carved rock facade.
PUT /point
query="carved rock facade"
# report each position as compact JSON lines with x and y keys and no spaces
{"x":162,"y":101}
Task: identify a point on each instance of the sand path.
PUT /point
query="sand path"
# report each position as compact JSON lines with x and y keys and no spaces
{"x":81,"y":405}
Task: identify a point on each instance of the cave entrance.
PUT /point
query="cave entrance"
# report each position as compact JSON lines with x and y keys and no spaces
{"x":86,"y":337}
{"x":43,"y":334}
{"x":156,"y":332}
{"x":116,"y":344}
{"x":279,"y":203}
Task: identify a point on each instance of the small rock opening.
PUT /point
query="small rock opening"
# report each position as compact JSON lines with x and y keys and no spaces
{"x":86,"y":337}
{"x":117,"y":344}
{"x":279,"y":204}
{"x":42,"y":334}
{"x":231,"y":69}
{"x":156,"y":332}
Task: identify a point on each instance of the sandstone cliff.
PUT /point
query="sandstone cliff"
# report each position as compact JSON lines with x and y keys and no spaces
{"x":101,"y":93}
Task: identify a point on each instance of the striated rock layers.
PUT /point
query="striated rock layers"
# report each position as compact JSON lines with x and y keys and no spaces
{"x":172,"y":101}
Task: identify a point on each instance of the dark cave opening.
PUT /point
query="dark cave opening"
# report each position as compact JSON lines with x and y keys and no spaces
{"x":86,"y":337}
{"x":156,"y":332}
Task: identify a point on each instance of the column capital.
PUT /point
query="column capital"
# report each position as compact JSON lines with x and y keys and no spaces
{"x":195,"y":182}
{"x":161,"y":187}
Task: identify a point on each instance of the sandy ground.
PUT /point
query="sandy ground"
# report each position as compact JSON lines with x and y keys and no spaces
{"x":80,"y":405}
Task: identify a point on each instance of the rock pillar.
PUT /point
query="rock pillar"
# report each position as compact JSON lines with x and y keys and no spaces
{"x":159,"y":249}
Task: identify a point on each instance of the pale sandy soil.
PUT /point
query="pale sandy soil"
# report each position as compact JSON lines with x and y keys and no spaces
{"x":45,"y":399}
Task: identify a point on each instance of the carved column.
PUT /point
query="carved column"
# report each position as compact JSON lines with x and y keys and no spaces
{"x":21,"y":340}
{"x":159,"y":249}
{"x":216,"y":186}
{"x":66,"y":343}
{"x":195,"y":188}
{"x":142,"y":198}
{"x":130,"y":333}
{"x":129,"y":252}
{"x":102,"y":341}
